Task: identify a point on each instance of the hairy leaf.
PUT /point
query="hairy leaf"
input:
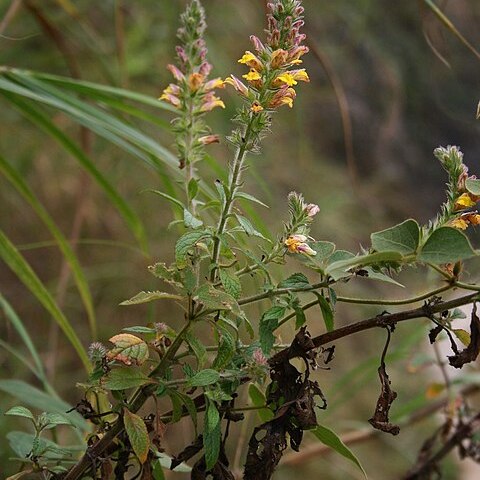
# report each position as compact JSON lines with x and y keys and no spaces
{"x":402,"y":238}
{"x":137,"y":434}
{"x":123,"y":378}
{"x":128,"y":349}
{"x":446,"y":245}
{"x":145,"y":297}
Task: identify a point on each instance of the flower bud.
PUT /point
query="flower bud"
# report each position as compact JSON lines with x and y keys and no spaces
{"x":208,"y":139}
{"x":311,"y":209}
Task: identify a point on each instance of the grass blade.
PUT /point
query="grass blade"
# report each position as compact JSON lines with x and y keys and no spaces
{"x":16,"y":180}
{"x":17,"y":263}
{"x":130,"y":217}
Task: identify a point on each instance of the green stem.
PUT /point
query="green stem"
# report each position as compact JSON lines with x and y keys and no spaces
{"x":233,"y":185}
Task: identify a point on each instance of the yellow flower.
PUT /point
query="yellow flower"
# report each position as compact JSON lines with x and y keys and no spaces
{"x":215,"y":83}
{"x":300,"y":75}
{"x":459,"y":223}
{"x":464,"y":201}
{"x":278,"y":58}
{"x":251,"y":60}
{"x":256,"y":107}
{"x":285,"y":79}
{"x":252,"y":76}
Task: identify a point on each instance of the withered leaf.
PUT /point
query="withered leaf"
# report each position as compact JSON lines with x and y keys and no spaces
{"x":128,"y":349}
{"x":470,"y":353}
{"x":380,"y":419}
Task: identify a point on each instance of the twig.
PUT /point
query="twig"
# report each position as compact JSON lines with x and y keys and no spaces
{"x":351,"y":438}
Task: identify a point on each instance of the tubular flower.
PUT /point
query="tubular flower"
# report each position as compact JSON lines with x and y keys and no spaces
{"x":312,"y":209}
{"x":465,"y":220}
{"x":256,"y":107}
{"x":296,"y":244}
{"x":284,"y":96}
{"x":208,"y":139}
{"x":271,"y":64}
{"x":193,"y":94}
{"x":252,"y":61}
{"x":464,"y":201}
{"x":239,"y":86}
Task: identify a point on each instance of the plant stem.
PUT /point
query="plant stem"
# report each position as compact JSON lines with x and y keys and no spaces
{"x":233,"y":185}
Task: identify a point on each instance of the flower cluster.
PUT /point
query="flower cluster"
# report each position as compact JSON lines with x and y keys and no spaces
{"x":192,"y":93}
{"x":298,"y":228}
{"x":462,"y":189}
{"x":273,"y":67}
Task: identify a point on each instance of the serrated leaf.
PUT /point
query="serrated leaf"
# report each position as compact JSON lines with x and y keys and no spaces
{"x":258,"y":399}
{"x":137,"y":434}
{"x":473,"y":185}
{"x":323,"y":249}
{"x":145,"y":297}
{"x":124,"y":378}
{"x":402,"y":238}
{"x":197,"y":348}
{"x":226,"y":349}
{"x":185,"y":243}
{"x":128,"y":349}
{"x":204,"y":378}
{"x":51,"y":420}
{"x":20,"y":412}
{"x":215,"y":299}
{"x":231,"y":283}
{"x":446,"y":245}
{"x":190,"y":221}
{"x":212,"y":435}
{"x":297,"y":280}
{"x":268,"y":324}
{"x":332,"y":440}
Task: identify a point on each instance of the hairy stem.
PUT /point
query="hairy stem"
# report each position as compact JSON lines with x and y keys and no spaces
{"x":233,"y":185}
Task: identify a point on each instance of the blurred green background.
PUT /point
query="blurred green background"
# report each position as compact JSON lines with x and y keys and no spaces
{"x":402,"y":84}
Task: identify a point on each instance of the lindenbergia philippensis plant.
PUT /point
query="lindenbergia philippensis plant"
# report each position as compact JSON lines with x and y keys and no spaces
{"x":211,"y":279}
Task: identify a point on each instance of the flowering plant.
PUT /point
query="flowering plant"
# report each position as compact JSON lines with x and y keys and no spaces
{"x":209,"y":279}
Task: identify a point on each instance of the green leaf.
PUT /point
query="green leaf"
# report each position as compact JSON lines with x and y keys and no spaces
{"x":248,"y":227}
{"x":402,"y":238}
{"x":124,"y":378}
{"x":446,"y":245}
{"x":137,"y":434}
{"x":231,"y":283}
{"x":51,"y":420}
{"x":258,"y":399}
{"x":251,"y":198}
{"x":300,"y":317}
{"x":144,"y":297}
{"x":12,"y":175}
{"x":323,"y":249}
{"x":190,"y":221}
{"x":192,"y":188}
{"x":212,"y":435}
{"x":373,"y":275}
{"x":166,"y":461}
{"x":171,"y":199}
{"x":226,"y":348}
{"x":327,"y":312}
{"x":128,"y":349}
{"x":17,"y":263}
{"x":336,"y":268}
{"x":473,"y":186}
{"x":34,"y":397}
{"x":215,"y":299}
{"x":461,"y":334}
{"x":185,"y":243}
{"x":268,"y":324}
{"x":197,"y":348}
{"x":20,"y":412}
{"x":297,"y":280}
{"x":332,"y":440}
{"x":204,"y":378}
{"x":140,"y":329}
